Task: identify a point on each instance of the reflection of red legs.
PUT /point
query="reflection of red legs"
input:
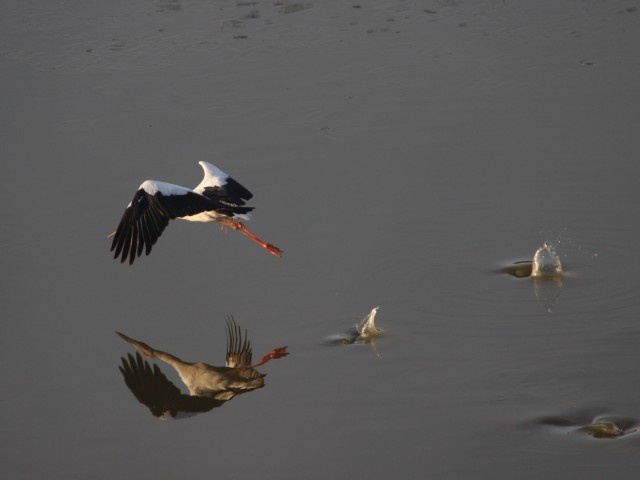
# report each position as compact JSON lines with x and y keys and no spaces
{"x":239,"y":226}
{"x":275,"y":353}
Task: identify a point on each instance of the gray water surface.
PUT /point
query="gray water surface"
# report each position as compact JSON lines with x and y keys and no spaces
{"x":401,"y":154}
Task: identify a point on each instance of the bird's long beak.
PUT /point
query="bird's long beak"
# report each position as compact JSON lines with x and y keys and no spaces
{"x":112,"y":234}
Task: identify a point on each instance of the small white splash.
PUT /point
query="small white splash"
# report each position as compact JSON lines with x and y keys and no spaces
{"x":547,"y":276}
{"x":367,"y":327}
{"x":546,"y":263}
{"x":364,"y":332}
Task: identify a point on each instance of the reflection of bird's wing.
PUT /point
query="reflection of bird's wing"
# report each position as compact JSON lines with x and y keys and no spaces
{"x":153,"y":389}
{"x":238,"y":346}
{"x":148,"y":214}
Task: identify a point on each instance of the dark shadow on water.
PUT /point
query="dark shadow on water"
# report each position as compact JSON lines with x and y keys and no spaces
{"x":209,"y":386}
{"x":520,"y":269}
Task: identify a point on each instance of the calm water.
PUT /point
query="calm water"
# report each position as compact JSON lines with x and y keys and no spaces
{"x":401,"y":154}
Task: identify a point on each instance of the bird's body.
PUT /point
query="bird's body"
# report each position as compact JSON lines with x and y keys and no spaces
{"x":214,"y":385}
{"x":218,"y":198}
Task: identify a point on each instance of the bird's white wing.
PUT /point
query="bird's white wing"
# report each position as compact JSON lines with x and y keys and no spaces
{"x":219,"y":186}
{"x":213,"y":177}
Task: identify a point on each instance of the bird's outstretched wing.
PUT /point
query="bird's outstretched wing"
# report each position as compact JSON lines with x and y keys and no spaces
{"x":238,"y":346}
{"x":148,"y":214}
{"x":154,"y":390}
{"x":219,"y":186}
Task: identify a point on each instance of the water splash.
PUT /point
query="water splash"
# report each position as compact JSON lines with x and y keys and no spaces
{"x":363,"y":332}
{"x":546,"y":271}
{"x":546,"y":263}
{"x":367,"y":327}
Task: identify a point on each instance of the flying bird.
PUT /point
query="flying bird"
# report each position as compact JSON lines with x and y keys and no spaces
{"x":209,"y":386}
{"x":218,"y":198}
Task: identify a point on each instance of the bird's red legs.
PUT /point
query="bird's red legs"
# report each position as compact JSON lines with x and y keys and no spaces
{"x":275,"y":353}
{"x":239,"y":226}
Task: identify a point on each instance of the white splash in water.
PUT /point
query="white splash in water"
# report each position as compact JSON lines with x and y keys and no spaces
{"x":367,"y":327}
{"x":547,"y":276}
{"x":546,"y":263}
{"x":363,"y":332}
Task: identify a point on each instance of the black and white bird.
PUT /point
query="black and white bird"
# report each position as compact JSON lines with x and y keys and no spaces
{"x":218,"y":198}
{"x":209,"y":386}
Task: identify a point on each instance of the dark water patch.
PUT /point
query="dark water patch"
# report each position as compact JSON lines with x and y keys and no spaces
{"x":169,"y":6}
{"x":521,"y":269}
{"x":293,"y":7}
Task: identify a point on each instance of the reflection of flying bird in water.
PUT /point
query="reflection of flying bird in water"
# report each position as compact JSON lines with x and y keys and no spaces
{"x":209,"y":386}
{"x":218,"y":198}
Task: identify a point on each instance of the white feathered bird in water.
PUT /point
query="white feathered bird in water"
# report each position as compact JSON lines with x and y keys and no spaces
{"x":218,"y":198}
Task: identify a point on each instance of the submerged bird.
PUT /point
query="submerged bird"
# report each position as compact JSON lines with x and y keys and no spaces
{"x":209,"y":386}
{"x":218,"y":198}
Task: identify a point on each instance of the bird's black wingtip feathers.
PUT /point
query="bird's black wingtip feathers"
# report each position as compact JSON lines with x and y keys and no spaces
{"x":140,"y":227}
{"x":230,"y":193}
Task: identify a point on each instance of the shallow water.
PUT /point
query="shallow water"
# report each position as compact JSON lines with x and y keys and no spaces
{"x":401,"y":155}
